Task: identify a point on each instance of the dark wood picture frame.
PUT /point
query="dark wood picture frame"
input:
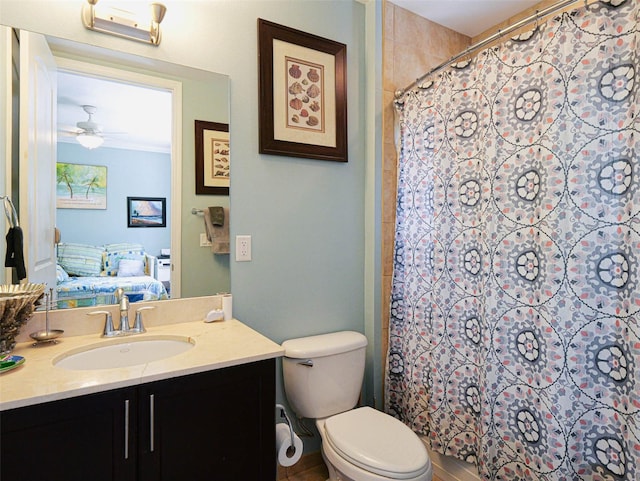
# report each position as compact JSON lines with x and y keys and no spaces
{"x":302,"y":94}
{"x":146,"y":211}
{"x":212,"y":158}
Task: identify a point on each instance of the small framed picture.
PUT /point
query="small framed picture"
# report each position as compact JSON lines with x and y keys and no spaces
{"x":146,"y":212}
{"x":303,"y":94}
{"x":212,"y":158}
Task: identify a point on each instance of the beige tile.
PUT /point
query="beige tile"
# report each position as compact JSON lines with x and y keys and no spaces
{"x":388,"y":232}
{"x":390,"y":159}
{"x":389,"y":187}
{"x":388,"y":48}
{"x":411,"y":29}
{"x":388,"y":13}
{"x":311,"y":467}
{"x":388,"y":118}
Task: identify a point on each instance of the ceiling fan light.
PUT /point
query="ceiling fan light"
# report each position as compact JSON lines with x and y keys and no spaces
{"x":90,"y":141}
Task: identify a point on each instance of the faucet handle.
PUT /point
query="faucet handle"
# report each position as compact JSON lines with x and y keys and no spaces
{"x":138,"y":326}
{"x":109,"y":330}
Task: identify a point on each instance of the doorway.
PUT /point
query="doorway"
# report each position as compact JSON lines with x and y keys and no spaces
{"x":129,"y":142}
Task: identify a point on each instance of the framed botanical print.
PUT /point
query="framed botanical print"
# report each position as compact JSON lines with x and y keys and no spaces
{"x":303,"y":98}
{"x":213,"y":158}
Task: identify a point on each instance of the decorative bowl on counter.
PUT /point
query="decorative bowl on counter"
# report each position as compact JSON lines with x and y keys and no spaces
{"x":17,"y":303}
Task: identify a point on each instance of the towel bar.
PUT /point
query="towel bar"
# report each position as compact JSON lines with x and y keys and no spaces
{"x":195,"y":211}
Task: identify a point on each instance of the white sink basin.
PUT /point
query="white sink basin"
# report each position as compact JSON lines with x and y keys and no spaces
{"x":123,"y":352}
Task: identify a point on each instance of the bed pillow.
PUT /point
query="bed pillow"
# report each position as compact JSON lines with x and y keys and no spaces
{"x":80,"y":259}
{"x":114,"y":253}
{"x":130,"y":268}
{"x":61,"y":274}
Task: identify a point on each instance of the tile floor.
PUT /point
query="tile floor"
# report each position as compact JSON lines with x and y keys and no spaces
{"x":313,"y":473}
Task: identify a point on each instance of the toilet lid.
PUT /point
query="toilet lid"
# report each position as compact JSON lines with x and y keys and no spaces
{"x":377,"y":442}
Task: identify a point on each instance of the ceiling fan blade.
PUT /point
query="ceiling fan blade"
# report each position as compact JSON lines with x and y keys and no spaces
{"x":68,"y":133}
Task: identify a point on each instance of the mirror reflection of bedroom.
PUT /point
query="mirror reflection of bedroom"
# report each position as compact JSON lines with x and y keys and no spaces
{"x":113,"y":191}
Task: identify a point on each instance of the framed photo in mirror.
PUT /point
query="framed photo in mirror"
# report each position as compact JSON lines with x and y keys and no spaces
{"x":146,"y":211}
{"x":212,"y":158}
{"x":302,"y":94}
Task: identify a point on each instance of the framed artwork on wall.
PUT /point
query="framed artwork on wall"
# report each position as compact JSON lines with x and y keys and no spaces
{"x":302,"y":94}
{"x":146,"y":212}
{"x":81,"y":186}
{"x":212,"y":158}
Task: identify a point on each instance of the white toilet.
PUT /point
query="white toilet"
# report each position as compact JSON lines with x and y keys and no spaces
{"x":322,"y":379}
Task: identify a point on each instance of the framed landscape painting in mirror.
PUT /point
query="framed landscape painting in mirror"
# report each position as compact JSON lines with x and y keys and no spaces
{"x":81,"y":186}
{"x":146,"y":212}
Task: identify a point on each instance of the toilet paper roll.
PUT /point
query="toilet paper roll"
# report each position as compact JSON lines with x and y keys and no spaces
{"x":226,"y":307}
{"x":287,"y":455}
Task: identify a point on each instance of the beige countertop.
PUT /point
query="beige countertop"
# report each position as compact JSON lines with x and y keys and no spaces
{"x":217,"y":345}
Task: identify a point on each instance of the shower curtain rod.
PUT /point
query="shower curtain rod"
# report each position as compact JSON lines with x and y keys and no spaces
{"x":539,"y":14}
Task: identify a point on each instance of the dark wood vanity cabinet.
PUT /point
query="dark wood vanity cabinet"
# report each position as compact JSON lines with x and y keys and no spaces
{"x":217,"y":425}
{"x":73,"y":439}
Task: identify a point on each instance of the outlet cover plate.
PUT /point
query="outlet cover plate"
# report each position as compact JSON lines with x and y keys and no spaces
{"x":243,"y":248}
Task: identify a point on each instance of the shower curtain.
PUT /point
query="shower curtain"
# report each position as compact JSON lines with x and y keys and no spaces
{"x":514,"y":328}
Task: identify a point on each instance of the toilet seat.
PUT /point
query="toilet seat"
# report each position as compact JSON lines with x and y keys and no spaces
{"x":377,"y":442}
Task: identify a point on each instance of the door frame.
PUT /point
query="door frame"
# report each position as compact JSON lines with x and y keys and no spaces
{"x":174,"y":87}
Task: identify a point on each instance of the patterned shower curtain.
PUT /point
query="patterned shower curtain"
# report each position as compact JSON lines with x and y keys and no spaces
{"x":515,"y":311}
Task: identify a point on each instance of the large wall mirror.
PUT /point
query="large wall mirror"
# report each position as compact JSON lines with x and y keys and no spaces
{"x":141,"y":177}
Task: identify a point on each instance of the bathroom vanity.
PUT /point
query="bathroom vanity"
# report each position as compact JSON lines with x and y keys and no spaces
{"x":206,"y":414}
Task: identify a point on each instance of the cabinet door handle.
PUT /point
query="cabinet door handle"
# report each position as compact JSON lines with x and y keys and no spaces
{"x":151,"y":422}
{"x":126,"y":429}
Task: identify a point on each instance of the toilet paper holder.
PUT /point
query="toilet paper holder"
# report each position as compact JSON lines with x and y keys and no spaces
{"x":283,"y":414}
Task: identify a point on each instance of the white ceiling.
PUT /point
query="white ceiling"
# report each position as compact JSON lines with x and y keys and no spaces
{"x":470,"y":17}
{"x":130,"y":117}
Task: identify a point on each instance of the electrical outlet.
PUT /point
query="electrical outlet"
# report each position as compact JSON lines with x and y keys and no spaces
{"x":204,"y":242}
{"x":243,"y":248}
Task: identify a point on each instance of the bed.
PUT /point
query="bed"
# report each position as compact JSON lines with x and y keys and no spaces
{"x":89,"y":275}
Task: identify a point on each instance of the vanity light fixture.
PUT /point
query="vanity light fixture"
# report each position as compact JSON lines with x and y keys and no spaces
{"x":123,"y":23}
{"x":89,"y":140}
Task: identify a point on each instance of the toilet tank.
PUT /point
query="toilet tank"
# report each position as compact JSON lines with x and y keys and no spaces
{"x":323,"y":374}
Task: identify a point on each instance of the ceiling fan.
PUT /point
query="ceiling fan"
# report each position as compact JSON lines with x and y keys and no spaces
{"x":88,"y":133}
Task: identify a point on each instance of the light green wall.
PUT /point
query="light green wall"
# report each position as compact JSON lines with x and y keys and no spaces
{"x":307,"y":218}
{"x":203,"y":273}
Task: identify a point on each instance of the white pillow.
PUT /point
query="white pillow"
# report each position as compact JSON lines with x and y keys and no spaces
{"x":130,"y":268}
{"x":61,"y":274}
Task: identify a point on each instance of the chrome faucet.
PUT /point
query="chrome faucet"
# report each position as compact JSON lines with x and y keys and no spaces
{"x":124,"y":329}
{"x":123,"y":301}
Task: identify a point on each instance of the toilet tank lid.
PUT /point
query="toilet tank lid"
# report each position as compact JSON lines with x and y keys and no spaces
{"x":324,"y":344}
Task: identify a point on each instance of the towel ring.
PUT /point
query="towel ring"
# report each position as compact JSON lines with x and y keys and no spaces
{"x":12,"y":215}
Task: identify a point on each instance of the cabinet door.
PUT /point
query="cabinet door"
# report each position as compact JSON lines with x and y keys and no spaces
{"x":71,"y":440}
{"x":218,"y":425}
